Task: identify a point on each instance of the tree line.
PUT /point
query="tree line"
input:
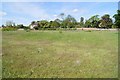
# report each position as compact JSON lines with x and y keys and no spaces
{"x":69,"y":21}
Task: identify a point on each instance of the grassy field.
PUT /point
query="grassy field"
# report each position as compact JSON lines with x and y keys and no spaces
{"x":69,"y":54}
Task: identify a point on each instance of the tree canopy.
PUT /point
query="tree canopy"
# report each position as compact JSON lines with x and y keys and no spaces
{"x":117,"y":19}
{"x":68,"y":21}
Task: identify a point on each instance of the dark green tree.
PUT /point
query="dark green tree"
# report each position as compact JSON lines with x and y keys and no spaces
{"x":20,"y":26}
{"x":3,"y":26}
{"x":94,"y":21}
{"x":117,"y":19}
{"x":87,"y":24}
{"x":69,"y":22}
{"x":81,"y":22}
{"x":33,"y":22}
{"x":106,"y":21}
{"x":43,"y":24}
{"x":55,"y":24}
{"x":58,"y":20}
{"x":62,"y":15}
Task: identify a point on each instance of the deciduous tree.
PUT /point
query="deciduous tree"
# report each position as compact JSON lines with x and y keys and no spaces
{"x":117,"y":19}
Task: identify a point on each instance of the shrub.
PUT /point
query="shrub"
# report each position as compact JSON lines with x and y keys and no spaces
{"x":114,"y":26}
{"x":9,"y":29}
{"x":74,"y":28}
{"x":27,"y":30}
{"x":57,"y":28}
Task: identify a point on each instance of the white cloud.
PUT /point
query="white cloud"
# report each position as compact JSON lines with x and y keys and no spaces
{"x":30,"y":10}
{"x":55,"y":15}
{"x":80,"y":11}
{"x":2,"y":13}
{"x":75,"y":10}
{"x":106,"y":13}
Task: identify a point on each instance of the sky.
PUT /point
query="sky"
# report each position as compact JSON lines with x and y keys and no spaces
{"x":26,"y":12}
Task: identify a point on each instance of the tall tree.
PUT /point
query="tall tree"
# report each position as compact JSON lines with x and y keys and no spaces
{"x":58,"y":20}
{"x":43,"y":24}
{"x":69,"y":18}
{"x":117,"y":19}
{"x":9,"y":23}
{"x":3,"y":26}
{"x":87,"y":24}
{"x":106,"y":21}
{"x":14,"y":24}
{"x":55,"y":24}
{"x":94,"y":21}
{"x":62,"y":15}
{"x":81,"y":22}
{"x":33,"y":22}
{"x":69,"y":22}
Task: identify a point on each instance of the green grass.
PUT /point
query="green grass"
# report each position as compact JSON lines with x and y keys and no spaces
{"x":69,"y":54}
{"x":0,"y":54}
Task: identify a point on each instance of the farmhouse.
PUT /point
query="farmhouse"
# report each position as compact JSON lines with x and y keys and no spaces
{"x":32,"y":26}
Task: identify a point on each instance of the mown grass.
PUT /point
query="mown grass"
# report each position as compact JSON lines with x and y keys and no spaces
{"x":69,"y":54}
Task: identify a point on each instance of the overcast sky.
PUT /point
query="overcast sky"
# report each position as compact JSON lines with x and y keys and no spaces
{"x":26,"y":12}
